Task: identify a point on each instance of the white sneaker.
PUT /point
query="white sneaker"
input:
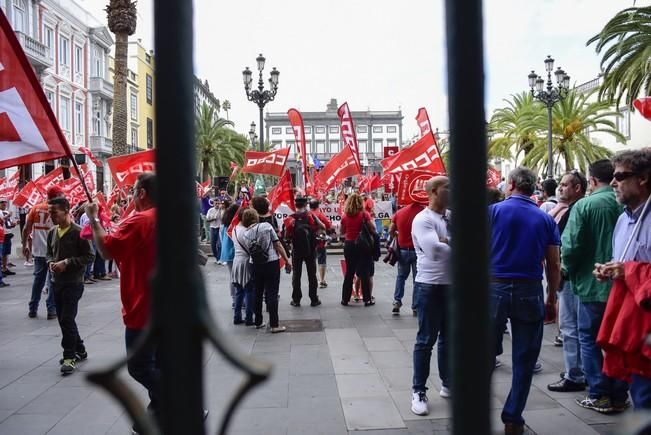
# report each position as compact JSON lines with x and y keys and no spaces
{"x":28,"y":264}
{"x":445,"y":393}
{"x":419,"y":403}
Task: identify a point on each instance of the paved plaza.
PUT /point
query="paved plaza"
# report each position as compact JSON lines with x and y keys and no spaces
{"x":353,"y":376}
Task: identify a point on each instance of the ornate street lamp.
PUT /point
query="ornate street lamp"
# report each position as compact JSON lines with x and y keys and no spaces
{"x":260,"y":96}
{"x":252,"y":135}
{"x":549,"y":95}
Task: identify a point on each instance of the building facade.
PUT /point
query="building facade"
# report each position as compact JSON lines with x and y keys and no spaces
{"x":141,"y":63}
{"x":375,"y":130}
{"x":203,"y":94}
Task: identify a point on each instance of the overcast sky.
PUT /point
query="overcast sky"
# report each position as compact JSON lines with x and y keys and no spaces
{"x":376,"y":55}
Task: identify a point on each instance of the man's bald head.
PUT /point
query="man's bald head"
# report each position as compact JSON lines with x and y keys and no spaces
{"x":437,"y":189}
{"x":436,"y":182}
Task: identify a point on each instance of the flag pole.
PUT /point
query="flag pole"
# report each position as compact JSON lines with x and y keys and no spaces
{"x":81,"y":177}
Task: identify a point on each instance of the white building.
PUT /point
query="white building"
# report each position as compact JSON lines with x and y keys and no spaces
{"x":68,"y":49}
{"x":203,"y":94}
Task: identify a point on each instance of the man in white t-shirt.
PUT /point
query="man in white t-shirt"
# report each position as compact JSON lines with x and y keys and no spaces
{"x":431,"y":236}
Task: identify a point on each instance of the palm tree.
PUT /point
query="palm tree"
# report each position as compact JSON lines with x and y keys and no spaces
{"x":573,"y":119}
{"x":217,"y":144}
{"x":226,"y":105}
{"x":511,"y":127}
{"x":626,"y":44}
{"x":122,"y":22}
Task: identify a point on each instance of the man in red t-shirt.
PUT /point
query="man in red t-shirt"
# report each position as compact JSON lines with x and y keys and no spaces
{"x":369,"y":204}
{"x":133,"y":247}
{"x":401,"y":228}
{"x":321,"y":254}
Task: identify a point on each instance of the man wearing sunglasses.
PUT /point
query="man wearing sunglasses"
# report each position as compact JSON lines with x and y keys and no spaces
{"x":586,"y":240}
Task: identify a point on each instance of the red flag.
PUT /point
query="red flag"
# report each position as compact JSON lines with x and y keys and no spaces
{"x":50,"y":179}
{"x":9,"y":186}
{"x":390,"y":182}
{"x":348,"y":133}
{"x":234,"y":168}
{"x":423,"y":155}
{"x":412,"y":187}
{"x":29,"y":131}
{"x":203,"y":188}
{"x":341,"y":200}
{"x":643,"y":105}
{"x":423,"y":121}
{"x":271,"y":163}
{"x":88,"y":178}
{"x":342,"y":165}
{"x":125,"y":169}
{"x":296,"y":120}
{"x":493,"y":177}
{"x":29,"y":196}
{"x":375,"y":182}
{"x":130,"y":208}
{"x":73,"y":190}
{"x":91,"y":156}
{"x":283,"y":192}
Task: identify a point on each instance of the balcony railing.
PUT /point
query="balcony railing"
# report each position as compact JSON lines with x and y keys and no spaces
{"x":102,"y":86}
{"x":101,"y":145}
{"x":38,"y":54}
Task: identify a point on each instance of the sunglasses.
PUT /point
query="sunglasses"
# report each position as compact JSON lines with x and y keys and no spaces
{"x":621,"y":176}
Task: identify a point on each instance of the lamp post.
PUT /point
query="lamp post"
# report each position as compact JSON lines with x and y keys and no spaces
{"x":252,"y":135}
{"x":260,"y":96}
{"x":549,"y":95}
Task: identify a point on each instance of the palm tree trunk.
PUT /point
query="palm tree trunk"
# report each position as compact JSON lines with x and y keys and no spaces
{"x":205,"y":170}
{"x":120,"y":121}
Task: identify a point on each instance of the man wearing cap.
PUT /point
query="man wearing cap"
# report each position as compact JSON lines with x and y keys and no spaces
{"x":321,"y":252}
{"x":34,"y":240}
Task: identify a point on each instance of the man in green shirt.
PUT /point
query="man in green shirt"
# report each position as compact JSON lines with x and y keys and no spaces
{"x":587,"y":240}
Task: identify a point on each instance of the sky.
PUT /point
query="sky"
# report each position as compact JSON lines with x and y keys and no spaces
{"x":378,"y":54}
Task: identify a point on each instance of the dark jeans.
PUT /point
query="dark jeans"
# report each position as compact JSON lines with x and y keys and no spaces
{"x":641,"y":392}
{"x":590,"y":316}
{"x":215,"y":243}
{"x":66,"y":297}
{"x":358,"y":264}
{"x":40,"y":277}
{"x":144,"y":367}
{"x":522,"y":302}
{"x":266,"y":279}
{"x":244,"y":295}
{"x":406,"y":264}
{"x":430,"y":303}
{"x":99,"y":266}
{"x":297,"y":266}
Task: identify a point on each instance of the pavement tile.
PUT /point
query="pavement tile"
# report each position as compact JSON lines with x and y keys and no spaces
{"x":268,"y":421}
{"x":306,"y":359}
{"x":383,"y":344}
{"x":24,"y":424}
{"x":303,"y":388}
{"x":556,"y":421}
{"x":15,"y":396}
{"x":371,"y":413}
{"x":57,"y":401}
{"x":353,"y":364}
{"x":392,"y":359}
{"x":361,"y":385}
{"x":438,"y":407}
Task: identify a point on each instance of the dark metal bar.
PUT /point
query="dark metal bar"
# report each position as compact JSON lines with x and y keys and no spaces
{"x":178,"y":287}
{"x":469,"y":337}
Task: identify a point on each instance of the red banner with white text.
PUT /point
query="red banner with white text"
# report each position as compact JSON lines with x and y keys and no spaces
{"x":29,"y":196}
{"x":341,"y":166}
{"x":271,"y":163}
{"x":348,"y":133}
{"x":423,"y":155}
{"x":412,"y":187}
{"x":125,"y":169}
{"x":493,"y":177}
{"x":296,"y":120}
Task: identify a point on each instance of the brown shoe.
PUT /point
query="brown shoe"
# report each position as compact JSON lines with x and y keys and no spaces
{"x":513,"y":429}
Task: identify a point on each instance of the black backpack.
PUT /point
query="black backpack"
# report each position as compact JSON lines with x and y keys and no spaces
{"x":258,"y":254}
{"x":365,"y":241}
{"x":303,"y":239}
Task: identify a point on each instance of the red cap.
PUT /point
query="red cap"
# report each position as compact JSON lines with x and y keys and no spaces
{"x":54,"y":192}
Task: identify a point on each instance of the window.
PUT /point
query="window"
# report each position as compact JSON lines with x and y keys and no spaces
{"x":50,"y":97}
{"x":64,"y":49}
{"x":97,"y":123}
{"x":392,"y":142}
{"x":20,"y":13}
{"x":308,"y":129}
{"x":78,"y":59}
{"x":624,"y":122}
{"x":290,"y":143}
{"x":289,"y":130}
{"x":147,"y":58}
{"x":150,"y":133}
{"x":320,"y":146}
{"x":64,"y":113}
{"x":377,"y":129}
{"x":361,"y":129}
{"x":48,"y":41}
{"x":391,"y":129}
{"x":134,"y":137}
{"x":79,"y":118}
{"x":377,"y":145}
{"x":150,"y":88}
{"x":334,"y":129}
{"x":98,"y":62}
{"x":308,"y":146}
{"x":319,"y":130}
{"x":334,"y":146}
{"x":362,"y":145}
{"x":275,"y":144}
{"x":134,"y":106}
{"x":276,"y":130}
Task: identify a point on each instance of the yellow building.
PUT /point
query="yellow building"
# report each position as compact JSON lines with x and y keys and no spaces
{"x":141,"y":63}
{"x":133,"y":107}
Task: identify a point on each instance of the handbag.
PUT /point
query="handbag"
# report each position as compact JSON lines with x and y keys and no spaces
{"x":393,"y":252}
{"x":365,"y":241}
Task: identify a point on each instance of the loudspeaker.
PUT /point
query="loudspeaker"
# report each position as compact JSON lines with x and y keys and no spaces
{"x":220,"y":182}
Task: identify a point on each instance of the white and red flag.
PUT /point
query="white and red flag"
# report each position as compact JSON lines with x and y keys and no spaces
{"x":493,"y":177}
{"x":9,"y":186}
{"x":125,"y":169}
{"x":283,"y":192}
{"x":271,"y":163}
{"x":348,"y":133}
{"x":423,"y":155}
{"x":29,"y":131}
{"x":369,"y":183}
{"x":296,"y":120}
{"x":203,"y":188}
{"x":643,"y":105}
{"x":29,"y":196}
{"x":234,"y":169}
{"x":52,"y":178}
{"x":342,"y":165}
{"x":91,"y":156}
{"x":390,"y":182}
{"x":412,"y":187}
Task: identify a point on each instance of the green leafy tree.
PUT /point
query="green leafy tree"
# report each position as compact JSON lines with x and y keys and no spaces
{"x":573,"y":119}
{"x":217,"y":144}
{"x":625,"y":42}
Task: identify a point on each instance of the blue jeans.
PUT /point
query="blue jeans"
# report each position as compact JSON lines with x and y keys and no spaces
{"x":244,"y":295}
{"x":522,"y":303}
{"x":568,"y":313}
{"x":641,"y":392}
{"x":215,"y":243}
{"x":40,"y":278}
{"x":590,"y":316}
{"x":406,"y":264}
{"x":99,"y":265}
{"x":430,"y":301}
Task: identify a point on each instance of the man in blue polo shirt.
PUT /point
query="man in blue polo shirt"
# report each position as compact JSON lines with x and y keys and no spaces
{"x":522,"y":237}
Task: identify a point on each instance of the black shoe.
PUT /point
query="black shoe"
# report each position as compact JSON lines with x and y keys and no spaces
{"x":345,"y":304}
{"x":396,"y":308}
{"x":238,"y":322}
{"x":621,"y":406}
{"x":31,"y":314}
{"x":295,"y":304}
{"x":249,"y":323}
{"x":315,"y":303}
{"x":79,"y":356}
{"x":4,"y":284}
{"x":8,"y":272}
{"x":51,"y":316}
{"x":369,"y":303}
{"x":565,"y":386}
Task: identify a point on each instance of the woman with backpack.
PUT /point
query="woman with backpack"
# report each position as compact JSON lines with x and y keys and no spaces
{"x":263,"y":246}
{"x":242,"y":274}
{"x":358,"y":232}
